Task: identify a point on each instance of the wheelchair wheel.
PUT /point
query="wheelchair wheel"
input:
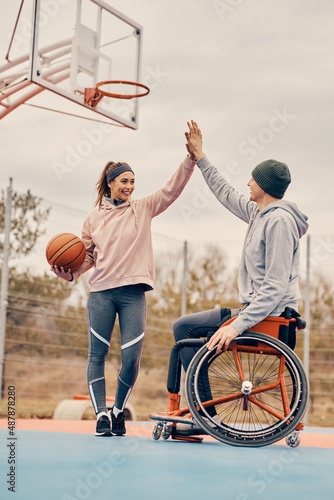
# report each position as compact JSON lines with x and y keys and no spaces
{"x":259,"y":390}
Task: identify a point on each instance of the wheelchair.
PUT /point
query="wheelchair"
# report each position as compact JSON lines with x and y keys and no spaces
{"x":258,"y":388}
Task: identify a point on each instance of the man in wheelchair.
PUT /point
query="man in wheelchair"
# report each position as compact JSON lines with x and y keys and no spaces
{"x":270,"y":261}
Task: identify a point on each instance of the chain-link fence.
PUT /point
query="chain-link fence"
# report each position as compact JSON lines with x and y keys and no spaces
{"x":46,"y":352}
{"x":46,"y":332}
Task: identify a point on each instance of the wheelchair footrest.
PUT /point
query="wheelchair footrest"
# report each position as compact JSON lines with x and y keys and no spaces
{"x":191,"y":439}
{"x":173,"y":417}
{"x":187,"y":430}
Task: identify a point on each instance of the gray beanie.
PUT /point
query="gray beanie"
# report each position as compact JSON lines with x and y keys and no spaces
{"x":273,"y":177}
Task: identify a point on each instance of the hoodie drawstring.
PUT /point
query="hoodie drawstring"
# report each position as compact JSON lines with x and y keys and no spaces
{"x":104,"y":214}
{"x":135,"y":214}
{"x":131,"y":204}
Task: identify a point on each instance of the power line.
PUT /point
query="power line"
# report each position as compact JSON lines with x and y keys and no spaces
{"x":64,"y":208}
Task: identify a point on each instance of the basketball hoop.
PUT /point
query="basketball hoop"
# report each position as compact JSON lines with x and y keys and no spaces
{"x":94,"y":95}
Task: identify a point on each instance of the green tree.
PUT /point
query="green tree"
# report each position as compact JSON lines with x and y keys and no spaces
{"x":41,"y":321}
{"x":28,"y":286}
{"x":26,"y":222}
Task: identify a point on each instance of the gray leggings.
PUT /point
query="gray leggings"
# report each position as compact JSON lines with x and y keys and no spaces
{"x":195,"y":326}
{"x":129,"y":302}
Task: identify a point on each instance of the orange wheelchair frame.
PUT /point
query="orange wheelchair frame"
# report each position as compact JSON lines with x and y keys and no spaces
{"x":259,"y":389}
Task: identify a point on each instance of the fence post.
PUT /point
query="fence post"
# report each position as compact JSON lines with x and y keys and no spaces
{"x":307,"y":316}
{"x":184,"y":309}
{"x":184,"y":281}
{"x":4,"y":283}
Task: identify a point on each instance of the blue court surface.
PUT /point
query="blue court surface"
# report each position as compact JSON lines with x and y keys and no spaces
{"x":68,"y":466}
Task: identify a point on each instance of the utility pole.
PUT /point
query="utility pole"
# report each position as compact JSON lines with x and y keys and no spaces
{"x":4,"y":282}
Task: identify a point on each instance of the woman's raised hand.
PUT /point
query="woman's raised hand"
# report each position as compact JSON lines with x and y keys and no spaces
{"x":194,"y":141}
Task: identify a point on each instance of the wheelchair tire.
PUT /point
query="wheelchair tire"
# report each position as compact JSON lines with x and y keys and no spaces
{"x":256,"y":417}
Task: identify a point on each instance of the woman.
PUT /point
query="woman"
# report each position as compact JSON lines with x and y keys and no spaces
{"x":118,"y":241}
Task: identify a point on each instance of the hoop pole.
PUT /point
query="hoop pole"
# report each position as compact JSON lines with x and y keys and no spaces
{"x":41,"y":52}
{"x":35,"y":91}
{"x":16,"y":88}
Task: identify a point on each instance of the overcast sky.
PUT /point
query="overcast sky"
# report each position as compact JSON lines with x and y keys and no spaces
{"x":258,"y":77}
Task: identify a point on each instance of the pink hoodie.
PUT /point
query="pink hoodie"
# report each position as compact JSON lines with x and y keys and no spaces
{"x":118,"y":239}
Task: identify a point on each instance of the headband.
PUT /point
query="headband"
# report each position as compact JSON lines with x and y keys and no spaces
{"x":118,"y":171}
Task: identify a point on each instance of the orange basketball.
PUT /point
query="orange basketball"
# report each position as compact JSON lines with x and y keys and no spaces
{"x":65,"y":250}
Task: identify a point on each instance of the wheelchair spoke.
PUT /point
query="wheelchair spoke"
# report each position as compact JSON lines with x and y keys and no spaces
{"x":258,"y":389}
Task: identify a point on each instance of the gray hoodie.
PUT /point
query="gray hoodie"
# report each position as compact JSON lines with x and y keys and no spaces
{"x":268,"y":274}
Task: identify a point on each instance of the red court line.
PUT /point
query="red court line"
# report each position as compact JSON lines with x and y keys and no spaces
{"x":72,"y":426}
{"x":143,"y":429}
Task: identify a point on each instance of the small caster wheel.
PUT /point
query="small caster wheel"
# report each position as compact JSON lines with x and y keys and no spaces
{"x":157,"y":431}
{"x":293,"y":440}
{"x":166,"y":431}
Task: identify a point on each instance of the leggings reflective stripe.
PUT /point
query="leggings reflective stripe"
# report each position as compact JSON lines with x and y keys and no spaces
{"x":129,"y":303}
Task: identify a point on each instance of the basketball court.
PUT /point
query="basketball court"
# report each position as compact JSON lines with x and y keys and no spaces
{"x":96,"y":64}
{"x":64,"y":460}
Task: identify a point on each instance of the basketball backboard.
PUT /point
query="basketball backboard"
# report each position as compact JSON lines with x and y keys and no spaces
{"x":78,"y":43}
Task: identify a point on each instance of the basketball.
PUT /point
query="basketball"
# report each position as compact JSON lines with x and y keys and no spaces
{"x":65,"y":250}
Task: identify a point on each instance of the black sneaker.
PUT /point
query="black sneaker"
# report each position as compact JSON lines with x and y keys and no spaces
{"x":103,"y":426}
{"x":118,"y":425}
